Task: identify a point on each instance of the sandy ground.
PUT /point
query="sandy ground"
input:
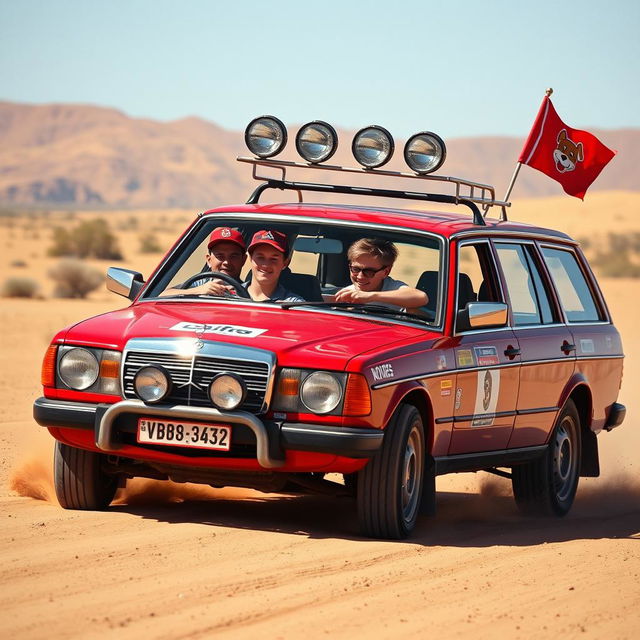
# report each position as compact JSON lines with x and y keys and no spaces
{"x":173,"y":561}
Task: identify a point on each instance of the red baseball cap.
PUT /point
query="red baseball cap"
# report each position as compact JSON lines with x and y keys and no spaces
{"x":226,"y":234}
{"x":276,"y":239}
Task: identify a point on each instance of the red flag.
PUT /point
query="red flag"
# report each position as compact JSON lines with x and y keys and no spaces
{"x":572,"y":157}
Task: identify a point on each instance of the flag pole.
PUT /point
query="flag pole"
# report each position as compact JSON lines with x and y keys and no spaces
{"x":516,"y":171}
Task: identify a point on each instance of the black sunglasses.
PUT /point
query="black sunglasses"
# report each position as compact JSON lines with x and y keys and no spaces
{"x":367,"y":272}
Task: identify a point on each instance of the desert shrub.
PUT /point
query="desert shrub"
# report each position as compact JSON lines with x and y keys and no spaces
{"x":18,"y":263}
{"x":90,"y":239}
{"x":130,"y":224}
{"x":585,"y":243}
{"x":616,"y":265}
{"x":617,"y":259}
{"x":19,"y":287}
{"x":149,"y":243}
{"x":74,"y":279}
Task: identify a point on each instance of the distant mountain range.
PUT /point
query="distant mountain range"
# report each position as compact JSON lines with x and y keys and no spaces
{"x":75,"y":155}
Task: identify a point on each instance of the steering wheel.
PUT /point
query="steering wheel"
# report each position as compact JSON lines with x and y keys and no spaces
{"x":236,"y":284}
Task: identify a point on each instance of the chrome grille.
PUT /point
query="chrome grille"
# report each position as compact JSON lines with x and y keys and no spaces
{"x":192,"y":375}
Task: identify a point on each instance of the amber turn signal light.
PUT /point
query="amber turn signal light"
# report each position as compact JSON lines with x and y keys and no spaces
{"x":288,"y":386}
{"x":357,"y":399}
{"x":48,"y":374}
{"x":109,"y":369}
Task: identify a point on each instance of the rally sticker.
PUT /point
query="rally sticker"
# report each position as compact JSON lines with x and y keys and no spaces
{"x":219,"y":329}
{"x":486,"y":356}
{"x":487,"y":391}
{"x":465,"y":357}
{"x":382,"y":372}
{"x":587,"y":346}
{"x":441,"y":362}
{"x":445,"y":387}
{"x":458,"y":398}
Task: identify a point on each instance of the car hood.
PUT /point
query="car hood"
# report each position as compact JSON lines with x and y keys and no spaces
{"x":298,"y":336}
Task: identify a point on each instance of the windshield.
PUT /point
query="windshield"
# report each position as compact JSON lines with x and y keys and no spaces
{"x":394,"y":273}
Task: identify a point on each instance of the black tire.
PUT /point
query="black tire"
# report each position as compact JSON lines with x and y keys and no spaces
{"x":389,"y":488}
{"x":547,"y":486}
{"x":79,"y":480}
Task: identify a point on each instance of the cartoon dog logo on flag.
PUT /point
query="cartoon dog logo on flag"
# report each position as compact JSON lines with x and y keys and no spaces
{"x":567,"y":154}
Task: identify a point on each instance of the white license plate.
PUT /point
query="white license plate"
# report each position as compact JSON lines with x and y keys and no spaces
{"x":184,"y":434}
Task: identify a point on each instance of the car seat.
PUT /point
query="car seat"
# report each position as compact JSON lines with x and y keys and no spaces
{"x":465,"y":291}
{"x":428,"y":282}
{"x":305,"y":285}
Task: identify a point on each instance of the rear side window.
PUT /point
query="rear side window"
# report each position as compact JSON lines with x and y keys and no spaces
{"x":575,"y":295}
{"x":529,"y":299}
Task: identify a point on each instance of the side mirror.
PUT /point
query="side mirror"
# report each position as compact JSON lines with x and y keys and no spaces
{"x":481,"y":315}
{"x":124,"y":282}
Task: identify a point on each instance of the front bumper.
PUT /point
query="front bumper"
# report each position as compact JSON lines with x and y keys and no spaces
{"x":272,"y":438}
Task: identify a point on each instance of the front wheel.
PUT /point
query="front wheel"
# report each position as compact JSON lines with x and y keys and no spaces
{"x":389,"y":488}
{"x":79,"y":480}
{"x":548,"y":485}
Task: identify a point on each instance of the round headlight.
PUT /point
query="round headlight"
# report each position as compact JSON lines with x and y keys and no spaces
{"x":152,"y":384}
{"x":265,"y":136}
{"x":372,"y":147}
{"x":227,"y":391}
{"x":79,"y":369}
{"x":316,"y":141}
{"x":425,"y":152}
{"x":321,"y":392}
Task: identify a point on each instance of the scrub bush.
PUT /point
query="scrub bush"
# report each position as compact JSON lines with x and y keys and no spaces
{"x":149,"y":244}
{"x":19,"y":287}
{"x":90,"y":239}
{"x":74,"y":279}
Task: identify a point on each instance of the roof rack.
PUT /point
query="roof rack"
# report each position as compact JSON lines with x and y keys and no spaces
{"x":467,"y":193}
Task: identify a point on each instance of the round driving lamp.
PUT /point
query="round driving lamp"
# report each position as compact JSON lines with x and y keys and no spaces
{"x":265,"y":136}
{"x":321,"y":392}
{"x":227,"y":391}
{"x":425,"y":152}
{"x":78,"y":369}
{"x":316,"y":141}
{"x":372,"y":147}
{"x":152,"y":384}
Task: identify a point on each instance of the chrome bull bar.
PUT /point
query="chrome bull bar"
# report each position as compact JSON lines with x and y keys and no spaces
{"x":105,"y":432}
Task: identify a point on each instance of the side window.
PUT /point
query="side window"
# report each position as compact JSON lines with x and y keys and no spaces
{"x":529,"y":299}
{"x":574,"y":292}
{"x":476,"y":275}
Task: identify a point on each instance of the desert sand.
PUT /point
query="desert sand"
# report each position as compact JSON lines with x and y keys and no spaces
{"x":182,"y":561}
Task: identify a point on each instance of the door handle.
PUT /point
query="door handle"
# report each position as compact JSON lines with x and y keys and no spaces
{"x":567,"y":348}
{"x":511,"y":352}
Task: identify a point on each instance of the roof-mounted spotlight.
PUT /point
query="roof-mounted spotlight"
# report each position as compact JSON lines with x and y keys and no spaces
{"x":316,"y":141}
{"x":372,"y":146}
{"x":265,"y":136}
{"x":425,"y":152}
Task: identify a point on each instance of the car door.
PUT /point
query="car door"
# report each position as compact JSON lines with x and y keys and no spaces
{"x":598,"y":348}
{"x":487,"y":361}
{"x":547,"y":352}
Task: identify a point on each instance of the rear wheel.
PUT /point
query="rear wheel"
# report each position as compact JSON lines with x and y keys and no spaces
{"x":389,"y":488}
{"x":79,"y":480}
{"x":547,"y":486}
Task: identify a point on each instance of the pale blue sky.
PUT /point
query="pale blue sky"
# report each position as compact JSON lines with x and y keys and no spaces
{"x":458,"y":68}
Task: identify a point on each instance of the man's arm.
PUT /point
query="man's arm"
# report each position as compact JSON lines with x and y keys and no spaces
{"x":212,"y":287}
{"x":405,"y":296}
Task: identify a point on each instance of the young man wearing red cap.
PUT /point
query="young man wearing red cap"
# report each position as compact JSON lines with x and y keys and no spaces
{"x":226,"y":253}
{"x":268,"y":254}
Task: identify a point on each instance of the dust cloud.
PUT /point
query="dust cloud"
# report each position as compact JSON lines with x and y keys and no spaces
{"x":142,"y":491}
{"x":32,"y":476}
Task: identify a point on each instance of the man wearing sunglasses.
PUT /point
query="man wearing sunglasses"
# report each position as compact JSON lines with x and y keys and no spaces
{"x":370,"y":262}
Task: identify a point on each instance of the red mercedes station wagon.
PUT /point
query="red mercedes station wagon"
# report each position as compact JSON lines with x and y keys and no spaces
{"x":500,"y":355}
